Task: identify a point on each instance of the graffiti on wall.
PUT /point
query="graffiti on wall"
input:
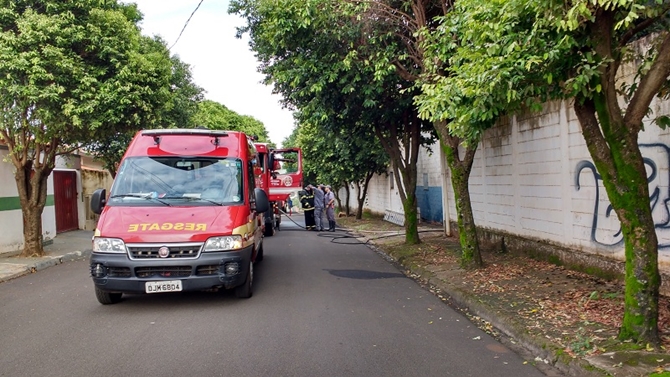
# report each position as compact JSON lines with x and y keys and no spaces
{"x":605,"y":227}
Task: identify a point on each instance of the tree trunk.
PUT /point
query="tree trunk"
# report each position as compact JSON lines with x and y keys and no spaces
{"x":347,"y":209}
{"x":411,"y":220}
{"x":359,"y":201}
{"x":336,"y":192}
{"x":617,"y":156}
{"x":611,"y":136}
{"x":362,"y":194}
{"x":471,"y":256}
{"x":32,"y":232}
{"x":404,"y":155}
{"x":406,"y":182}
{"x":32,"y":190}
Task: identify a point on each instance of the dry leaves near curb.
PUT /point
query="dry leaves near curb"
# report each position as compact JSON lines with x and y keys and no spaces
{"x":575,"y":311}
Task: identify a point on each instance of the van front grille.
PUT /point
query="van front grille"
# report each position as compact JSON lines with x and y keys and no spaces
{"x":118,"y":272}
{"x":207,"y":270}
{"x":165,"y":272}
{"x":176,"y":251}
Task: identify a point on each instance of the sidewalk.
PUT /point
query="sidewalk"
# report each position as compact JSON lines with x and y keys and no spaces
{"x":65,"y":247}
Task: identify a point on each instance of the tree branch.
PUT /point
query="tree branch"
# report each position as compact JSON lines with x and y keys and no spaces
{"x":595,"y":140}
{"x":649,"y":86}
{"x":641,"y":26}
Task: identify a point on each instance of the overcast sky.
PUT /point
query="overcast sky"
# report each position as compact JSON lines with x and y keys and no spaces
{"x":221,"y":64}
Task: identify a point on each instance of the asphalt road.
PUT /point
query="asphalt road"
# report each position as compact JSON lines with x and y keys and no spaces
{"x":318,"y":309}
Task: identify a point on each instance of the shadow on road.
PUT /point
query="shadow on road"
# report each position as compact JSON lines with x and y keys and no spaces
{"x":364,"y":274}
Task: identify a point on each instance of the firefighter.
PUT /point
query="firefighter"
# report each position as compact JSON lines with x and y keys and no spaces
{"x":319,"y":205}
{"x":329,"y":199}
{"x":307,"y":202}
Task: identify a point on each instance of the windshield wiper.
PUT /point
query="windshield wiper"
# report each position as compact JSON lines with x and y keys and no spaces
{"x":141,"y":196}
{"x":211,"y":201}
{"x":192,"y":199}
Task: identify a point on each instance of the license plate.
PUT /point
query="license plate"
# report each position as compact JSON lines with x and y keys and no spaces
{"x":163,"y":286}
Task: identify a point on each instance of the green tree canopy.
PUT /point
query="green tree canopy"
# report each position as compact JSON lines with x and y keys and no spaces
{"x":216,"y":116}
{"x":317,"y":55}
{"x":177,"y":109}
{"x":70,"y":72}
{"x":521,"y":52}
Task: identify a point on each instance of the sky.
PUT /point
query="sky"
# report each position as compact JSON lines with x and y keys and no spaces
{"x":221,"y":64}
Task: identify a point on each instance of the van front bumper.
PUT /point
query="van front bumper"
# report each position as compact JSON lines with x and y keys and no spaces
{"x":119,"y":273}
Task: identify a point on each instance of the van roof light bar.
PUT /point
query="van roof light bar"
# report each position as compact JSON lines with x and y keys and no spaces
{"x":156,"y":134}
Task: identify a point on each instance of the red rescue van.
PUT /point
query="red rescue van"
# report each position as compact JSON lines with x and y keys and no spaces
{"x":279,"y":175}
{"x":183,"y":214}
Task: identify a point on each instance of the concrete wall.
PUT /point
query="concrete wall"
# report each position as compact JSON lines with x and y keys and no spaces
{"x":384,"y":195}
{"x":533,"y":180}
{"x":92,"y":180}
{"x":429,"y":184}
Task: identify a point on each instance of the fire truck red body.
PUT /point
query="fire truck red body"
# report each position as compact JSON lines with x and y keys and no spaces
{"x":280,"y":174}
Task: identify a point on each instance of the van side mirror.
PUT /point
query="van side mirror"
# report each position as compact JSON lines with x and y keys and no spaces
{"x":261,"y":204}
{"x":98,"y":200}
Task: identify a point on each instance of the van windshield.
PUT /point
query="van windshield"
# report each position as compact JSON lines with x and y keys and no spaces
{"x":176,"y":181}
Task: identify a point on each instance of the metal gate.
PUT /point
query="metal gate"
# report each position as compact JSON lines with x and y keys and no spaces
{"x":65,"y":200}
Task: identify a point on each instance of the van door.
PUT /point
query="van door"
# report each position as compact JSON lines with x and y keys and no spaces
{"x":257,"y":219}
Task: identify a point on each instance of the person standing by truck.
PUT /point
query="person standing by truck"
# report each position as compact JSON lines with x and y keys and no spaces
{"x":319,"y":205}
{"x":307,"y":202}
{"x":329,"y":199}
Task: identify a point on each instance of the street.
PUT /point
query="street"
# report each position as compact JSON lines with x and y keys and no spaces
{"x":319,"y":309}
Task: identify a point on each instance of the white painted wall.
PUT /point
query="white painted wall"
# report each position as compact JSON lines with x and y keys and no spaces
{"x":385,"y":195}
{"x":531,"y":177}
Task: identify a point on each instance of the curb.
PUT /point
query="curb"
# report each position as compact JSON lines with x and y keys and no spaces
{"x":16,"y":267}
{"x":516,"y":334}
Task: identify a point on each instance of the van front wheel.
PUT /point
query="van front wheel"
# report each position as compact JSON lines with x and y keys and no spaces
{"x":259,"y":253}
{"x":245,"y":290}
{"x":269,"y":229}
{"x":107,"y":298}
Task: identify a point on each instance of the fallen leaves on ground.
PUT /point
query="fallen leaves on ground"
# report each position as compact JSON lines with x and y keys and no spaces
{"x":578,"y":311}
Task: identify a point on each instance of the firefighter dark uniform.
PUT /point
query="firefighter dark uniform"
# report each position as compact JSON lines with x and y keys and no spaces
{"x":307,"y":203}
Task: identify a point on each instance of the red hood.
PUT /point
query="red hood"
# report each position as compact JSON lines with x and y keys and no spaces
{"x":169,"y":224}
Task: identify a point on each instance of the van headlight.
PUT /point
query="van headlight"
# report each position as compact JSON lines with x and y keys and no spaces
{"x":108,"y":245}
{"x":224,"y":243}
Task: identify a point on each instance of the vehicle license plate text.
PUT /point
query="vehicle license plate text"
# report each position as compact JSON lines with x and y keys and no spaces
{"x":163,"y":286}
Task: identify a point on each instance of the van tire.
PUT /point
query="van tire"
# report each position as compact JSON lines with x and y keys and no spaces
{"x":245,"y":290}
{"x":107,"y":298}
{"x":269,"y":229}
{"x":259,"y":253}
{"x":268,"y":219}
